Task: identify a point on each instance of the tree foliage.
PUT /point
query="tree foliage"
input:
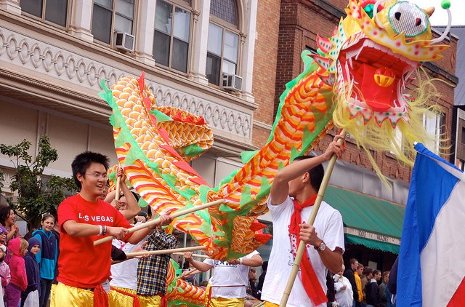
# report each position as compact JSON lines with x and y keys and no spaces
{"x":37,"y":193}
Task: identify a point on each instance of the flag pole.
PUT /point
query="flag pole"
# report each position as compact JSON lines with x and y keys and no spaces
{"x":157,"y":221}
{"x":311,"y":220}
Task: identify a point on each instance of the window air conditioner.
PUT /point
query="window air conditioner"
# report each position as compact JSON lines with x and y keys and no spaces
{"x":231,"y":82}
{"x":124,"y":41}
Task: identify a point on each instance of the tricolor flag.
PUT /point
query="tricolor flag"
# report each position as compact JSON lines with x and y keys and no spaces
{"x":432,"y":252}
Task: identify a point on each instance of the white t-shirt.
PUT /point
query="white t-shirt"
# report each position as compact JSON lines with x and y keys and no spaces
{"x":124,"y":274}
{"x":344,"y":297}
{"x":329,"y":228}
{"x":229,"y":280}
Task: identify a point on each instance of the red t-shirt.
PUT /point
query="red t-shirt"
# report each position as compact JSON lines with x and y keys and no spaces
{"x":81,"y":264}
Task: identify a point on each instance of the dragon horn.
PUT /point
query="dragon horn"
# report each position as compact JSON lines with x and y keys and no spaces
{"x":429,"y":11}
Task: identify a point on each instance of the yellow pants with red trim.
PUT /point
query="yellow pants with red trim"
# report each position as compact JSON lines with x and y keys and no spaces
{"x":62,"y":295}
{"x":117,"y":299}
{"x":226,"y":302}
{"x":268,"y":304}
{"x":150,"y":301}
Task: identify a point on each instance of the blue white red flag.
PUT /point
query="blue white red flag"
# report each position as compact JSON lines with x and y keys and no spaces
{"x":432,"y":252}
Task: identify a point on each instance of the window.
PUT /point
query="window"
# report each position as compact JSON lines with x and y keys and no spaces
{"x":110,"y":16}
{"x":433,"y":124}
{"x":463,"y":136}
{"x":54,"y":11}
{"x":223,"y":40}
{"x":225,"y":10}
{"x":398,"y":140}
{"x":171,"y":36}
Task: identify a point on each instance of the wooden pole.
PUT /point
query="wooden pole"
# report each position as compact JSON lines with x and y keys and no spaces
{"x":311,"y":220}
{"x":118,"y":188}
{"x":166,"y":251}
{"x":193,"y":255}
{"x":152,"y":223}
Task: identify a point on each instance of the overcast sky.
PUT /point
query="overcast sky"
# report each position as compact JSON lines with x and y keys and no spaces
{"x":439,"y":17}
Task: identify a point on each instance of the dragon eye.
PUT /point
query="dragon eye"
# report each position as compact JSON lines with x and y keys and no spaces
{"x":408,"y":18}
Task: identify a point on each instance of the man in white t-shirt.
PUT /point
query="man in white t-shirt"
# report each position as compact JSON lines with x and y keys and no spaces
{"x":230,"y":279}
{"x":292,"y":194}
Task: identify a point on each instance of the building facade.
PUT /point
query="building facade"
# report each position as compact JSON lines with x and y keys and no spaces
{"x":54,"y":54}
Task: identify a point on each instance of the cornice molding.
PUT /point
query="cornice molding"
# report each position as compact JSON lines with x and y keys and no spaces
{"x":228,"y":116}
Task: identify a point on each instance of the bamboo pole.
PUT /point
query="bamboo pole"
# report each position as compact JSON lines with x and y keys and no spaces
{"x":157,"y":221}
{"x":193,"y":255}
{"x":118,"y":188}
{"x":311,"y":220}
{"x":166,"y":251}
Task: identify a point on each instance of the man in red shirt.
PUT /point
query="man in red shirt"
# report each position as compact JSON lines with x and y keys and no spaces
{"x":84,"y":269}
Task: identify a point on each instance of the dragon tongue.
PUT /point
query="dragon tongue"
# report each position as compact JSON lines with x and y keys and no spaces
{"x":379,"y":96}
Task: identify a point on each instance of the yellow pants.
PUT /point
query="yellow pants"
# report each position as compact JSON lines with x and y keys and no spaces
{"x":268,"y":304}
{"x":116,"y":299}
{"x":62,"y":295}
{"x":226,"y":302}
{"x":150,"y":301}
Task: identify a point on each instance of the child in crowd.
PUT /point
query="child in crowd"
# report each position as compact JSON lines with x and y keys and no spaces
{"x":30,"y":297}
{"x":3,"y":235}
{"x":47,"y":257}
{"x":4,"y":273}
{"x":17,"y":248}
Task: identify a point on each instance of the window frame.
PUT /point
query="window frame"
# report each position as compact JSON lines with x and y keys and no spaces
{"x":113,"y":19}
{"x":439,"y":127}
{"x":45,"y":21}
{"x":226,"y":26}
{"x":184,"y":6}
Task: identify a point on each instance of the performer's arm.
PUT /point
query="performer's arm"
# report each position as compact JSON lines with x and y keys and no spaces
{"x":133,"y":207}
{"x":139,"y":235}
{"x":331,"y":259}
{"x":201,"y":266}
{"x":254,"y":261}
{"x":280,"y":187}
{"x":76,"y":229}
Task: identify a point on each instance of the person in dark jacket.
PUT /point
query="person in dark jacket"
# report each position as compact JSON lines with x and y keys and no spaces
{"x":261,"y":279}
{"x":30,"y":297}
{"x":331,"y":291}
{"x":349,"y":274}
{"x":47,"y":257}
{"x":372,"y":290}
{"x":392,"y":283}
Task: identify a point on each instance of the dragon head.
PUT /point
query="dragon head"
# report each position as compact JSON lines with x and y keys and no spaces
{"x":371,"y":60}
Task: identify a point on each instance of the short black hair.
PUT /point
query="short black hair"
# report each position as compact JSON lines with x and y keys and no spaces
{"x":82,"y":162}
{"x":316,"y":173}
{"x":4,"y":214}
